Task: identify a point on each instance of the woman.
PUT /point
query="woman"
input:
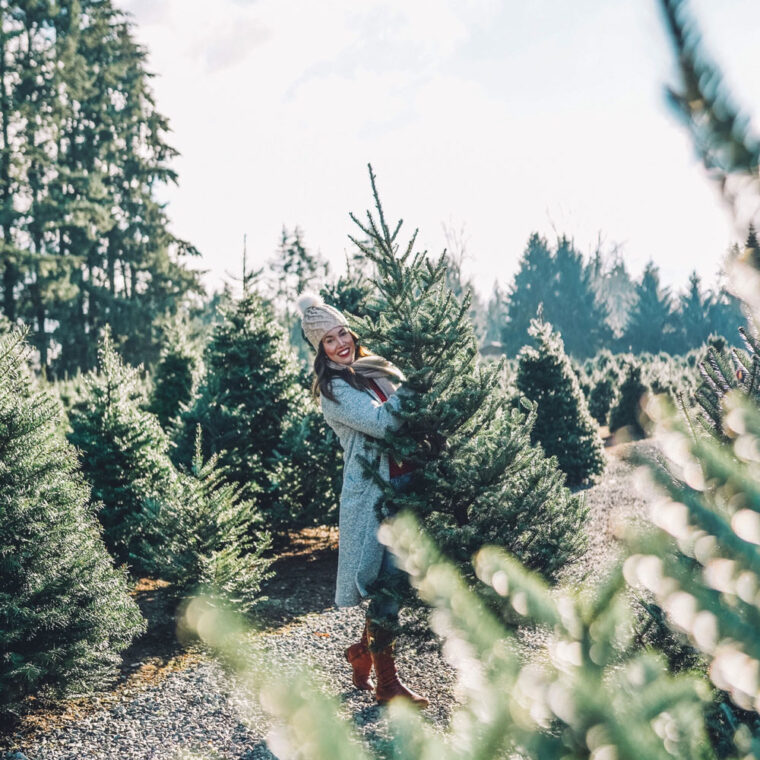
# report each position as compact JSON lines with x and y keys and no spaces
{"x":357,"y":392}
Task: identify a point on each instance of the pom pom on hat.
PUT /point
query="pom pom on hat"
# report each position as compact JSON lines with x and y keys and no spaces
{"x":307,"y":300}
{"x":317,"y":318}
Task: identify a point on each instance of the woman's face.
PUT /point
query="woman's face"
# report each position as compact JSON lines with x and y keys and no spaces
{"x":339,"y":345}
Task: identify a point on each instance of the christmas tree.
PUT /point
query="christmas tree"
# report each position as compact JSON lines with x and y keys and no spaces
{"x":211,"y":541}
{"x":563,"y":425}
{"x":250,"y":406}
{"x":174,"y":376}
{"x":626,"y":411}
{"x":477,"y":477}
{"x":124,"y":455}
{"x":65,"y":612}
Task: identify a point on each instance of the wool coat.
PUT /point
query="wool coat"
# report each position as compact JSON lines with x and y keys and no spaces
{"x":358,"y":417}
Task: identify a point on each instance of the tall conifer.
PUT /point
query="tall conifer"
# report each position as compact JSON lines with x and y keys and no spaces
{"x":478,"y":479}
{"x":563,"y":425}
{"x":65,"y":612}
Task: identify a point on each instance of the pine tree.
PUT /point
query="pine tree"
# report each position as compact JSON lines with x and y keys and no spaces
{"x":601,"y":397}
{"x":250,"y":388}
{"x":563,"y":425}
{"x":530,"y":289}
{"x":561,"y":286}
{"x":495,"y":315}
{"x":82,"y":151}
{"x":694,"y":315}
{"x":352,"y":292}
{"x":626,"y":411}
{"x":174,"y":376}
{"x":212,"y":542}
{"x":478,"y":478}
{"x":651,"y":324}
{"x":613,"y":287}
{"x":124,"y":455}
{"x":65,"y":612}
{"x":574,"y":309}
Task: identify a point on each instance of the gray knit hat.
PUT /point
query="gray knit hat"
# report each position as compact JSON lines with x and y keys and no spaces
{"x":318,"y":318}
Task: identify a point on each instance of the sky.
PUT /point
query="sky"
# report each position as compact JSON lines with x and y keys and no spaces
{"x":484,"y":120}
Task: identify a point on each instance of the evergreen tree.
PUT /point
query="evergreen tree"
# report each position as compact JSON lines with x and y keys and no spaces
{"x":211,"y":539}
{"x":352,"y":292}
{"x":651,"y":324}
{"x":574,"y":309}
{"x":65,"y":612}
{"x":528,"y":292}
{"x":82,"y":151}
{"x":124,"y":455}
{"x":601,"y":397}
{"x":478,"y":478}
{"x":174,"y":376}
{"x":626,"y":411}
{"x":561,"y":286}
{"x":563,"y":425}
{"x":250,"y":386}
{"x":694,"y":315}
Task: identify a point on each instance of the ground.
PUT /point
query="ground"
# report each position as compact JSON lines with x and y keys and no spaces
{"x":170,"y":699}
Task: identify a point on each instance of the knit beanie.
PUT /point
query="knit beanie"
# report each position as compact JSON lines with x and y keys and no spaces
{"x":318,"y":318}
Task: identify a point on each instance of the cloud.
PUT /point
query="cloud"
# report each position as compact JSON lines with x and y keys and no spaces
{"x":224,"y":47}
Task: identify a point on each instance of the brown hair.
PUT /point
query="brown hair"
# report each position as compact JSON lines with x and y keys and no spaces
{"x":324,"y":374}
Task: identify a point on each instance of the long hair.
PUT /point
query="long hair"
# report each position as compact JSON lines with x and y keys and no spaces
{"x":323,"y":374}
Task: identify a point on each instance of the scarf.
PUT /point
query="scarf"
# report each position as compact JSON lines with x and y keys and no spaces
{"x":386,"y":374}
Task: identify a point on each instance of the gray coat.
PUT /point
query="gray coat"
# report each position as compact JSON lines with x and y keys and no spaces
{"x":357,"y":418}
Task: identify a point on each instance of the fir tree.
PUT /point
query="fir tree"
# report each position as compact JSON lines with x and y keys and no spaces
{"x":174,"y":376}
{"x":651,"y":324}
{"x":295,"y":269}
{"x":352,"y":292}
{"x":613,"y":287}
{"x":82,"y":151}
{"x":65,"y":612}
{"x":601,"y":397}
{"x":530,"y":289}
{"x":694,"y":315}
{"x":212,"y":542}
{"x":251,"y":386}
{"x":563,"y":425}
{"x":574,"y":309}
{"x":124,"y":455}
{"x":495,"y":315}
{"x":478,"y":479}
{"x":626,"y":411}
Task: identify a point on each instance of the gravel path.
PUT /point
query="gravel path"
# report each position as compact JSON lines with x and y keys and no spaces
{"x":197,"y":709}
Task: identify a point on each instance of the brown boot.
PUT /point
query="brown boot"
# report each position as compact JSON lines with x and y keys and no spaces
{"x":361,"y":662}
{"x":389,"y":685}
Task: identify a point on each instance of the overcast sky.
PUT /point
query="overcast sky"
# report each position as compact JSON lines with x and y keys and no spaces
{"x":499,"y":118}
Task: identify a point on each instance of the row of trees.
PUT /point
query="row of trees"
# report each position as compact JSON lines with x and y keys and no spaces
{"x":595,"y":304}
{"x":83,"y":240}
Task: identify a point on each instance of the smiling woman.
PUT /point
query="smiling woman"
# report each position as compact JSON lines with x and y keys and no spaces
{"x":358,"y":394}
